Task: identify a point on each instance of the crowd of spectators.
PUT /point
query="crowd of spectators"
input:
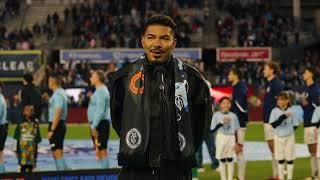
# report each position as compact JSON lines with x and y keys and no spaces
{"x":255,"y":22}
{"x":16,"y":40}
{"x":104,"y":24}
{"x":118,"y":23}
{"x":23,"y":39}
{"x":10,"y":8}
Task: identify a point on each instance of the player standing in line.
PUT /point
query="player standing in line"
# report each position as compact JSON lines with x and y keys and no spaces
{"x":284,"y":122}
{"x":3,"y":127}
{"x":227,"y":124}
{"x":273,"y":88}
{"x":309,"y":103}
{"x":58,"y":111}
{"x":239,"y":107}
{"x":99,"y":117}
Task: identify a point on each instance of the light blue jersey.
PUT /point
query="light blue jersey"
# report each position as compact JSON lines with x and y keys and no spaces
{"x":99,"y":107}
{"x":3,"y":110}
{"x":59,"y":100}
{"x":298,"y":111}
{"x":286,"y":128}
{"x":316,"y":115}
{"x":226,"y":129}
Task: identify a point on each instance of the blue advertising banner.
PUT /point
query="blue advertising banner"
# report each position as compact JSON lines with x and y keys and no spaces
{"x":119,"y":55}
{"x":14,"y":64}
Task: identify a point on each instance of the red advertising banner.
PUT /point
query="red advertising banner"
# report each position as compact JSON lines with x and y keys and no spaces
{"x":253,"y":54}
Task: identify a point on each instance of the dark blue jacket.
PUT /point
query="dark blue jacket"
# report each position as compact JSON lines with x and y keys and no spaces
{"x":312,"y":93}
{"x":273,"y":88}
{"x":239,"y":102}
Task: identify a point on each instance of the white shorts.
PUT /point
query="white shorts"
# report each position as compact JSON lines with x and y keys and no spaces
{"x":241,"y":135}
{"x":225,"y":146}
{"x":318,"y":144}
{"x":284,"y":148}
{"x":310,"y":135}
{"x":268,"y":132}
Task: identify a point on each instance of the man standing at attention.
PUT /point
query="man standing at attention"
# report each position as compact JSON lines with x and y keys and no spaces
{"x":58,"y":111}
{"x":273,"y":88}
{"x":99,"y":117}
{"x":160,"y":108}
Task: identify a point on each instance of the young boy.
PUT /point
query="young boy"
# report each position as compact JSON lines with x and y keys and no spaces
{"x":27,"y":134}
{"x":227,"y":124}
{"x":284,"y":122}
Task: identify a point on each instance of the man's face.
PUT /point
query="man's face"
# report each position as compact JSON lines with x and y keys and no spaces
{"x":158,"y":42}
{"x":267,"y":71}
{"x":231,"y":77}
{"x":94,"y":78}
{"x":51,"y":82}
{"x":307,"y":75}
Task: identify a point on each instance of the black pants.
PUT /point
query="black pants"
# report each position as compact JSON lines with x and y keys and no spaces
{"x":3,"y":135}
{"x":26,"y":168}
{"x":103,"y":134}
{"x":56,"y":142}
{"x":154,"y":174}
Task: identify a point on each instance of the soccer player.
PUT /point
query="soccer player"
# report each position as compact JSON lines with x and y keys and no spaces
{"x":99,"y":116}
{"x":3,"y":127}
{"x":284,"y":122}
{"x":309,"y":103}
{"x":273,"y":88}
{"x":239,"y":107}
{"x":58,"y":111}
{"x":27,"y":134}
{"x":226,"y":123}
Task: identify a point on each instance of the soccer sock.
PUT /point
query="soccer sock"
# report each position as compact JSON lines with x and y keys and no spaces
{"x":241,"y":166}
{"x":2,"y":168}
{"x":274,"y":167}
{"x":59,"y":164}
{"x":290,"y":171}
{"x":281,"y":171}
{"x":230,"y":170}
{"x":65,"y":166}
{"x":104,"y":163}
{"x":313,"y":162}
{"x":222,"y":169}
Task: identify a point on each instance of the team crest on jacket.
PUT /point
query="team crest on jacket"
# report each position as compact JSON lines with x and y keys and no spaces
{"x":133,"y":138}
{"x":182,"y":141}
{"x":134,"y":83}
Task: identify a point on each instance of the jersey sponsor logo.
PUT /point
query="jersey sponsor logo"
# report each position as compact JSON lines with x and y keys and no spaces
{"x":182,"y":141}
{"x":133,"y":138}
{"x":134,"y":87}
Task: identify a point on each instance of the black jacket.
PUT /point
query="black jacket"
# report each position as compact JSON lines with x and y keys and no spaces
{"x":160,"y":136}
